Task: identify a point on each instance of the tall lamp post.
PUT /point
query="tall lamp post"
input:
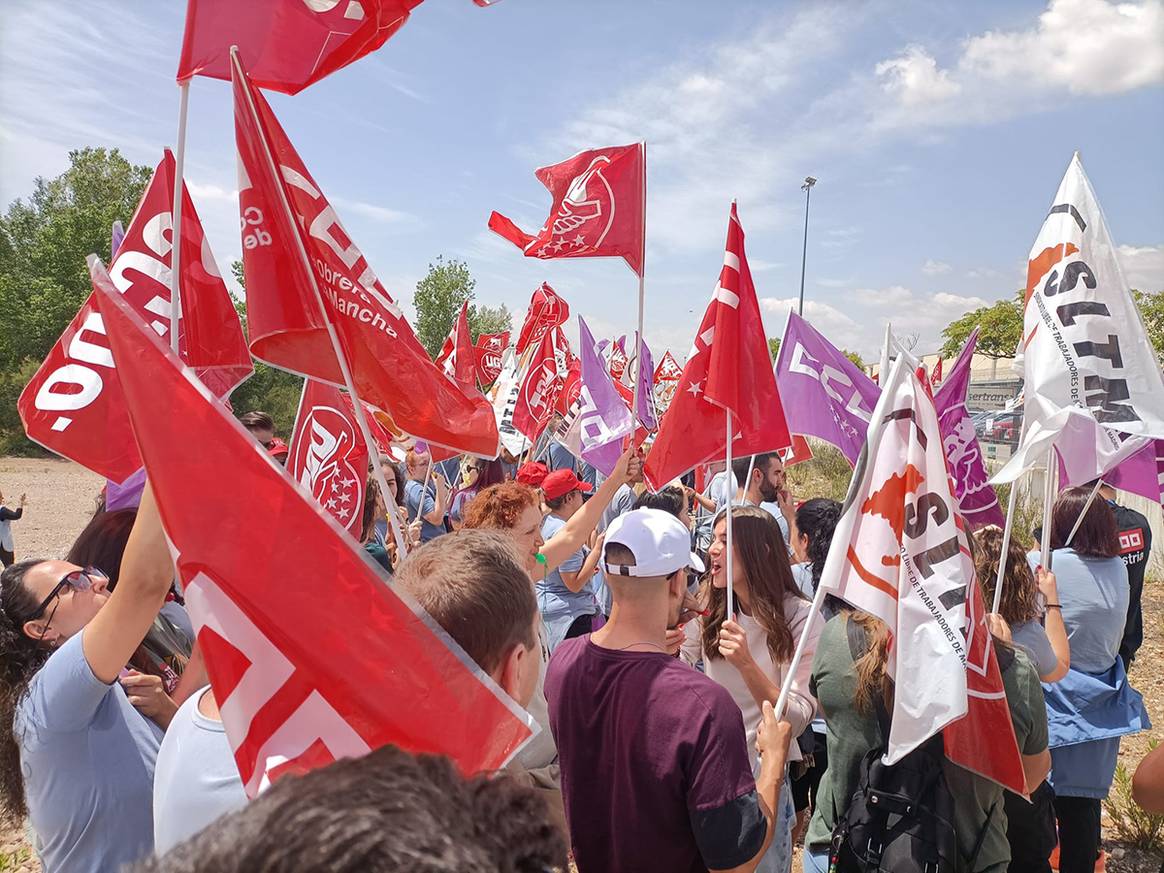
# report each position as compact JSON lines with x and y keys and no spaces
{"x":809,"y":181}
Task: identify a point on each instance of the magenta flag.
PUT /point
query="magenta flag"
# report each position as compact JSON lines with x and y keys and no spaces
{"x":976,"y":497}
{"x":825,"y":394}
{"x":1142,"y":473}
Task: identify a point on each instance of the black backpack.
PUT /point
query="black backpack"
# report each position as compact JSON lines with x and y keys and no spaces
{"x":901,"y":817}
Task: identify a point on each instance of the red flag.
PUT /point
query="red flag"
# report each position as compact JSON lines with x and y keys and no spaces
{"x":668,"y":369}
{"x":728,"y":369}
{"x":937,"y":375}
{"x":300,"y":680}
{"x":571,"y":385}
{"x":328,"y":456}
{"x":74,"y":405}
{"x":598,"y":210}
{"x":458,"y":358}
{"x":490,"y":348}
{"x":287,"y":221}
{"x":546,"y":311}
{"x":286,"y":45}
{"x":799,"y":452}
{"x":618,"y":359}
{"x":539,"y":391}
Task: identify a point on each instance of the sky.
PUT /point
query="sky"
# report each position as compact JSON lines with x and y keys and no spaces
{"x":938,"y":131}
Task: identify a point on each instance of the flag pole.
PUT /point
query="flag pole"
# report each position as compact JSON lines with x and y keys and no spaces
{"x":1083,"y":512}
{"x":883,"y":374}
{"x":1008,"y":526}
{"x":1048,"y":503}
{"x":176,"y":216}
{"x":798,"y":655}
{"x":728,"y":521}
{"x":341,"y":358}
{"x":642,"y":294}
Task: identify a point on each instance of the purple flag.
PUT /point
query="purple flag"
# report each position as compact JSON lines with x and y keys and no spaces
{"x":1142,"y":473}
{"x":648,"y":418}
{"x":116,"y":236}
{"x":600,"y":418}
{"x":976,"y":497}
{"x":825,"y":395}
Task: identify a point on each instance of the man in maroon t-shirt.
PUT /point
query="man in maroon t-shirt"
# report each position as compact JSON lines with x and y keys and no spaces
{"x":656,"y":773}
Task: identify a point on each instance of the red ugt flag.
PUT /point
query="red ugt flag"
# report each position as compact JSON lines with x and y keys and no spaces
{"x":598,"y":209}
{"x":328,"y":456}
{"x":74,"y":405}
{"x":728,"y":368}
{"x":286,"y":44}
{"x":285,"y":218}
{"x":547,"y":310}
{"x":539,"y":391}
{"x":490,"y":348}
{"x":458,"y":358}
{"x":298,"y":685}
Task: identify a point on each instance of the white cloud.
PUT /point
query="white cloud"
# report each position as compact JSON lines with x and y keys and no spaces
{"x":894,"y":295}
{"x":1076,"y":47}
{"x":1143,"y":266}
{"x":380,"y":214}
{"x":935,"y":268}
{"x":839,"y":328}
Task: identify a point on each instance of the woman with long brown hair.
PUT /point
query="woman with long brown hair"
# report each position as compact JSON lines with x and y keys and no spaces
{"x":1029,"y":603}
{"x":749,"y":653}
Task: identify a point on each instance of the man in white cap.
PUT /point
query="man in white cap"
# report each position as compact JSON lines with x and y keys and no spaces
{"x":655,"y":769}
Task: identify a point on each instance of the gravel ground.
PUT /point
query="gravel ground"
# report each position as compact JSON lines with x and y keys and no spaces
{"x":61,"y":500}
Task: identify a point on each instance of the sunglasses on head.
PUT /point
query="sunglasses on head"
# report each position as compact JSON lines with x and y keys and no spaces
{"x":77,"y":580}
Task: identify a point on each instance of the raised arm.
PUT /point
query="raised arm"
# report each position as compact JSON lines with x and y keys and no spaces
{"x":576,"y":531}
{"x":1053,"y":625}
{"x":111,"y":638}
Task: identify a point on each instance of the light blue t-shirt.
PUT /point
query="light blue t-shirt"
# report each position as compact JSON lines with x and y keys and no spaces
{"x":557,"y":457}
{"x":802,"y":576}
{"x":1094,"y":594}
{"x":420,"y":501}
{"x":197,"y":779}
{"x":1031,"y":637}
{"x":558,"y":604}
{"x":88,"y":760}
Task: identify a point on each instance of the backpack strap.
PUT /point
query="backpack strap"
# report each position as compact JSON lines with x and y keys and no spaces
{"x":858,"y":647}
{"x":982,"y":834}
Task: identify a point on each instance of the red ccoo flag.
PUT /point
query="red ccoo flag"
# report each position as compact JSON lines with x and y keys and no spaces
{"x":547,"y":310}
{"x":298,"y":686}
{"x":288,"y":222}
{"x":286,"y":45}
{"x":936,"y":378}
{"x":728,"y":368}
{"x":458,"y":358}
{"x":328,"y":456}
{"x":598,"y":210}
{"x":73,"y":405}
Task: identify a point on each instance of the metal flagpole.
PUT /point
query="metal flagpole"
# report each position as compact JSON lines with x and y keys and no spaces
{"x":798,"y":655}
{"x":176,"y":221}
{"x":1008,"y":525}
{"x":341,"y":358}
{"x":1083,"y":512}
{"x":728,"y":520}
{"x":638,"y":375}
{"x":884,"y":372}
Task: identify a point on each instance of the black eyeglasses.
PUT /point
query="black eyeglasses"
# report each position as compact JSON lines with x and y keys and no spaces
{"x":78,"y":580}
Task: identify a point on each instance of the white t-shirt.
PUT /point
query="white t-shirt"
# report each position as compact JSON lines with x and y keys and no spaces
{"x":196,"y":779}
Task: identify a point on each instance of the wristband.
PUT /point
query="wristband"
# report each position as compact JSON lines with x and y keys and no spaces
{"x":1053,"y":606}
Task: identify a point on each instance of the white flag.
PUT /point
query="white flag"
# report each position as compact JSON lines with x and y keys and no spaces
{"x":898,"y":553}
{"x":1091,"y":378}
{"x":506,"y":389}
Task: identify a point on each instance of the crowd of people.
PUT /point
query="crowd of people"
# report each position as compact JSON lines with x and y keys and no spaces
{"x":600,"y":606}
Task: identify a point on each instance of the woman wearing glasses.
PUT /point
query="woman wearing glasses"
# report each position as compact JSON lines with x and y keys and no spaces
{"x":76,"y":756}
{"x":477,"y":474}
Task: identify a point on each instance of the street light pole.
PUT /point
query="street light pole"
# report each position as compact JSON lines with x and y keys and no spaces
{"x":809,"y":181}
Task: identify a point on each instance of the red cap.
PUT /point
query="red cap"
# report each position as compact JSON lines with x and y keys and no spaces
{"x":562,"y":482}
{"x":532,"y":473}
{"x":277,"y":448}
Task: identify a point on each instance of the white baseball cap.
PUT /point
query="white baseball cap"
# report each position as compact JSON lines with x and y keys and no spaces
{"x":658,"y":540}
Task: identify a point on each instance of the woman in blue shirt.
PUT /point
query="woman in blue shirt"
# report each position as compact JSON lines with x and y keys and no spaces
{"x":566,"y":599}
{"x":76,"y":754}
{"x":1092,"y":706}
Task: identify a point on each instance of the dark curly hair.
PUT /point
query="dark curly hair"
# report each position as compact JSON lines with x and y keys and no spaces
{"x":386,"y":812}
{"x":817,"y":519}
{"x":20,"y":658}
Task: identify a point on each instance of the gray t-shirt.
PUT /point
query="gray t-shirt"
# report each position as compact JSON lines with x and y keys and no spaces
{"x":622,"y":503}
{"x":88,"y":760}
{"x":1031,"y":637}
{"x":197,"y":779}
{"x":1095,"y":594}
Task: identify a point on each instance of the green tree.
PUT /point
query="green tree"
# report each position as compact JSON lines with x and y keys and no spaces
{"x":855,"y":358}
{"x":439,"y":297}
{"x":1001,"y":329}
{"x":44,"y":241}
{"x":489,"y":319}
{"x":1151,"y":306}
{"x":773,"y":347}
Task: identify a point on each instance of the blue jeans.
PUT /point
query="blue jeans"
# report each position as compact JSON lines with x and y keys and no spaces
{"x":815,"y":862}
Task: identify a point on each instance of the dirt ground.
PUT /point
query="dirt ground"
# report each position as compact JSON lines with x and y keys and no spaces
{"x":61,"y":500}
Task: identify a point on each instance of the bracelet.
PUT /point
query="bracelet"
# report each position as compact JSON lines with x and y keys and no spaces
{"x":1053,"y":606}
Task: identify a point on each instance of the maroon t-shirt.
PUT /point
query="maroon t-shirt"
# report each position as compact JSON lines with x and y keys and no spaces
{"x":656,"y":773}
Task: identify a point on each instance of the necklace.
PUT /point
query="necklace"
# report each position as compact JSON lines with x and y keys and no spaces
{"x":643,"y":643}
